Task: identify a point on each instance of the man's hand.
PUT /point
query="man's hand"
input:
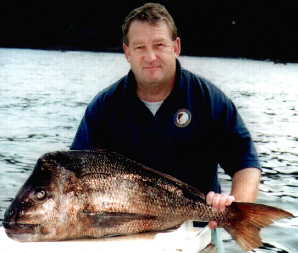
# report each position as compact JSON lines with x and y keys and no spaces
{"x":244,"y":188}
{"x":219,"y":202}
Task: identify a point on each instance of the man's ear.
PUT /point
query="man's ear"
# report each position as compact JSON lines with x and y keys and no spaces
{"x":177,"y":46}
{"x":126,"y":51}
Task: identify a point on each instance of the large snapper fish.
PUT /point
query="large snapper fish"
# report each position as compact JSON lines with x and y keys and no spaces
{"x":92,"y":194}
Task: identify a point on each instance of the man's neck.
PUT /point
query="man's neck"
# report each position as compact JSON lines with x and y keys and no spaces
{"x":154,"y":92}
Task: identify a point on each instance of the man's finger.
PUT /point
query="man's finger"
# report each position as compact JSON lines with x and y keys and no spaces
{"x":219,"y":201}
{"x":230,"y":199}
{"x":212,"y":224}
{"x":216,"y":201}
{"x":209,"y":198}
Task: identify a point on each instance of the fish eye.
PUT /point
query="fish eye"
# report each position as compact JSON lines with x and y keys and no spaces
{"x":40,"y":194}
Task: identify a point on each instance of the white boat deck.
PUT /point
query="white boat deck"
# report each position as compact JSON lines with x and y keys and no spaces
{"x":186,"y":239}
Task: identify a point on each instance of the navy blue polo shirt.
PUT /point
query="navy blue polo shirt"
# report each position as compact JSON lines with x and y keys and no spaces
{"x":196,"y":129}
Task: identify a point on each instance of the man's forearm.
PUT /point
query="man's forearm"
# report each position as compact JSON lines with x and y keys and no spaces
{"x":245,"y":184}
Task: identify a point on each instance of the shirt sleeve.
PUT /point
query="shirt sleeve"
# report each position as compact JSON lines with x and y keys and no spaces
{"x":237,"y":150}
{"x":87,"y":135}
{"x":83,"y":137}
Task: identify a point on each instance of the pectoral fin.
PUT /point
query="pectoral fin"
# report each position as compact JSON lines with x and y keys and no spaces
{"x":109,"y":219}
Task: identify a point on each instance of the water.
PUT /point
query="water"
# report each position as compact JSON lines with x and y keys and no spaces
{"x":43,"y":95}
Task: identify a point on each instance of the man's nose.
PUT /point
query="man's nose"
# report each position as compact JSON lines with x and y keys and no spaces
{"x":150,"y":55}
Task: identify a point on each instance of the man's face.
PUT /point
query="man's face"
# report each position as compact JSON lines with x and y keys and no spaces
{"x":151,"y":53}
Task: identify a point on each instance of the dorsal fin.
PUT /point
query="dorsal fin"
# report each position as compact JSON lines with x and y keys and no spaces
{"x":105,"y":162}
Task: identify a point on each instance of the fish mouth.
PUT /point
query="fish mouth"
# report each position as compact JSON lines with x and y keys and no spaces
{"x":19,"y":228}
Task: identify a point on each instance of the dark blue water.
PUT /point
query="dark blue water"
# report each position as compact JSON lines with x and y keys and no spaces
{"x":43,"y":95}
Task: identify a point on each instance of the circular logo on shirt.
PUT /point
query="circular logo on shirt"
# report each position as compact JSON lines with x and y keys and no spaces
{"x":182,"y":118}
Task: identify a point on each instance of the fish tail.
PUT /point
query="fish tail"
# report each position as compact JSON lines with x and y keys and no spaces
{"x":246,"y":219}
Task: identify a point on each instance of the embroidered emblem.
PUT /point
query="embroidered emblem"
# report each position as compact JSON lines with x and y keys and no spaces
{"x":182,"y":118}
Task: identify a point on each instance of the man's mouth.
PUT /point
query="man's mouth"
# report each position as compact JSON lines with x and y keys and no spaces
{"x":152,"y":67}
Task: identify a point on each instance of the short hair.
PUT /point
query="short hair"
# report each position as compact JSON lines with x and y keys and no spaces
{"x":151,"y":13}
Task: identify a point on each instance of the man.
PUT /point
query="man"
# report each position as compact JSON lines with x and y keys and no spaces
{"x":168,"y":118}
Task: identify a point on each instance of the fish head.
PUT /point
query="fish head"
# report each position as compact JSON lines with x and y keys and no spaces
{"x":36,"y":212}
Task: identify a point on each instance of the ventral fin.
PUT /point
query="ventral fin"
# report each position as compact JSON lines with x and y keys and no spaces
{"x":108,"y":219}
